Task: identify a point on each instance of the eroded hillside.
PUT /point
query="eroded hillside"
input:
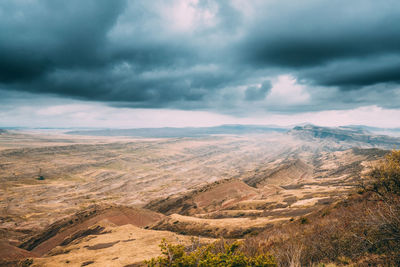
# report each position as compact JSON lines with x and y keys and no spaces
{"x":69,"y":199}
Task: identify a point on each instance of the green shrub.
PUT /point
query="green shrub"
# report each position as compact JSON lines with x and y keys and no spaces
{"x":217,"y":254}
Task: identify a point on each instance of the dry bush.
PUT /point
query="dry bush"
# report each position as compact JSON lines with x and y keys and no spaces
{"x":386,"y":177}
{"x":363,"y":229}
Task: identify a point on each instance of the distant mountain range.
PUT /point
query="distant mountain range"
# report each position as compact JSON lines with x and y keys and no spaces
{"x":349,"y":134}
{"x":183,"y":132}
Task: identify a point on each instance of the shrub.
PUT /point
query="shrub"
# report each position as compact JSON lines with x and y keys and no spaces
{"x":362,"y":229}
{"x":220,"y":253}
{"x":386,"y":176}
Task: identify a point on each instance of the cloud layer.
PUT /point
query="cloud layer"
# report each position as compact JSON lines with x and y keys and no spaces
{"x":234,"y":57}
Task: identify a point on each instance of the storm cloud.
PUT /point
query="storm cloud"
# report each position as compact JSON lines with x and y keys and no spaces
{"x":231,"y":57}
{"x":258,"y":93}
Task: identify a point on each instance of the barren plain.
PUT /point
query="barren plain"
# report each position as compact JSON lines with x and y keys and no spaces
{"x":108,"y":201}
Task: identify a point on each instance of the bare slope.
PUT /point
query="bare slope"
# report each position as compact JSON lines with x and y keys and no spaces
{"x":286,"y":173}
{"x":125,"y":245}
{"x":280,"y":191}
{"x":82,"y":224}
{"x":208,"y":198}
{"x":10,"y":255}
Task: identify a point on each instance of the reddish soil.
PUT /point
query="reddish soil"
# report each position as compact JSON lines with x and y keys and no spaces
{"x":79,"y":225}
{"x":11,"y":255}
{"x":234,"y":190}
{"x":205,"y":199}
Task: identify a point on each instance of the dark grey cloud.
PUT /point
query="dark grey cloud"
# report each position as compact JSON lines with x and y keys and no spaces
{"x":354,"y":74}
{"x":307,"y":34}
{"x":258,"y":93}
{"x":37,"y":37}
{"x":215,"y":55}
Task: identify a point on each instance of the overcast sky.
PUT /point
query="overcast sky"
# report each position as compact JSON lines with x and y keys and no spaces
{"x":101,"y":63}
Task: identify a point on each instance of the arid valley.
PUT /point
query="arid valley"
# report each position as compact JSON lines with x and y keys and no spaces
{"x":77,"y":200}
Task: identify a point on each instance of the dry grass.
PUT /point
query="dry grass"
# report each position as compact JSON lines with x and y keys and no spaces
{"x":364,"y":229}
{"x":118,"y":246}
